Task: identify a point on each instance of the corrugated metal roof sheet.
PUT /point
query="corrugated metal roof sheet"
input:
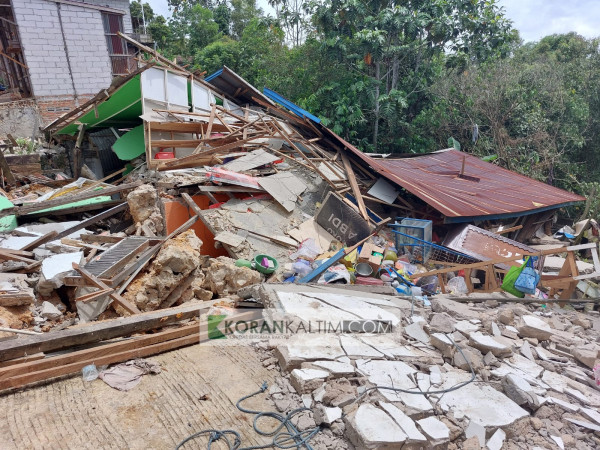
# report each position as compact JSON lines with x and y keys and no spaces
{"x":289,"y":105}
{"x":496,"y":193}
{"x":226,"y":80}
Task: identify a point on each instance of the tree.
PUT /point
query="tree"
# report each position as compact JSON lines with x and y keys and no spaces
{"x":160,"y":32}
{"x":242,"y":12}
{"x":137,"y":18}
{"x":295,"y":18}
{"x":396,"y":50}
{"x":222,"y":15}
{"x":192,"y":28}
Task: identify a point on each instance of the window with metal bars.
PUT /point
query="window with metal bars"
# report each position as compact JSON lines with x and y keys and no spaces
{"x":117,"y":48}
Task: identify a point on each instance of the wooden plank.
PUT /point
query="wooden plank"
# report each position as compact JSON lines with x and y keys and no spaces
{"x":101,"y":238}
{"x":180,"y":143}
{"x":41,"y":240}
{"x":94,"y":295}
{"x":354,"y":185}
{"x":180,"y":127}
{"x":129,"y":307}
{"x":74,"y":209}
{"x":84,"y":223}
{"x":573,"y":248}
{"x":98,"y":331}
{"x":10,"y":178}
{"x":96,"y":352}
{"x":32,"y":207}
{"x":9,"y":256}
{"x":211,"y":120}
{"x":138,"y":348}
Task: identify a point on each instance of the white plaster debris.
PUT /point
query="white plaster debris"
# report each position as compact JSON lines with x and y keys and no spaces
{"x":436,"y":430}
{"x":475,"y":429}
{"x":327,"y":415}
{"x":355,"y":348}
{"x":497,"y":440}
{"x":591,"y":414}
{"x":306,"y":380}
{"x":414,"y":436}
{"x":371,"y":427}
{"x":486,"y":344}
{"x":335,"y":367}
{"x":558,"y":441}
{"x":532,"y":326}
{"x":473,"y":402}
{"x":584,"y":424}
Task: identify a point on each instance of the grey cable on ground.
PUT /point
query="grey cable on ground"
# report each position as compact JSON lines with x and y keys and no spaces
{"x":291,"y":438}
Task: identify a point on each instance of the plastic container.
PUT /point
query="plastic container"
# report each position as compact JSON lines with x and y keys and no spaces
{"x":165,"y":155}
{"x":414,"y":228}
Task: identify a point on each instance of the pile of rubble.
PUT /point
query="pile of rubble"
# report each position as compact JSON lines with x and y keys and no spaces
{"x":453,"y":375}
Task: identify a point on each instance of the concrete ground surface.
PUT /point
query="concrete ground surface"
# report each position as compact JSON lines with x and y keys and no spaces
{"x":197,"y":389}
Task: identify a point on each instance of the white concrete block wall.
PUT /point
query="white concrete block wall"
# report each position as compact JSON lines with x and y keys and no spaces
{"x":88,"y":53}
{"x":44,"y":48}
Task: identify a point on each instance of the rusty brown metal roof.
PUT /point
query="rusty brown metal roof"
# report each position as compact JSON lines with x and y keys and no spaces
{"x":484,"y":189}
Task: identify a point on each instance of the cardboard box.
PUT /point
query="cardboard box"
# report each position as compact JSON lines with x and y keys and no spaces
{"x":366,"y":255}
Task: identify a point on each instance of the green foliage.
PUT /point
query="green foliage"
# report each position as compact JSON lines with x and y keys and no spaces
{"x":135,"y":9}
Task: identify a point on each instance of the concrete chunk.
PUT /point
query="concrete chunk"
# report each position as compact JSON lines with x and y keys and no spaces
{"x":336,"y":368}
{"x":370,"y":427}
{"x":475,"y":429}
{"x":415,"y":331}
{"x":443,"y":344}
{"x":532,"y":326}
{"x":414,"y":436}
{"x":497,"y":440}
{"x":307,"y":380}
{"x":327,"y":415}
{"x":486,"y":344}
{"x":49,"y":311}
{"x":437,"y":431}
{"x":520,"y":391}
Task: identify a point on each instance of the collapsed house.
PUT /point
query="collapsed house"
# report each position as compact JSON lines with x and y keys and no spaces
{"x":192,"y":197}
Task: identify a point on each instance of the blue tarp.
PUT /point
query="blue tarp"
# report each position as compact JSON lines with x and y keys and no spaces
{"x":289,"y":105}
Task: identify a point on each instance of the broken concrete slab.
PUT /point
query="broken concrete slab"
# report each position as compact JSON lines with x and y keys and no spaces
{"x":355,"y":348}
{"x":525,"y":350}
{"x":441,"y":323}
{"x":443,"y":344}
{"x":226,"y":237}
{"x":336,"y":368}
{"x":586,"y":355}
{"x":307,"y":380}
{"x":443,"y":303}
{"x":532,"y":326}
{"x":584,"y":424}
{"x":415,"y":331}
{"x":497,"y":440}
{"x":486,"y":344}
{"x":473,"y":402}
{"x":436,"y":430}
{"x":475,"y":429}
{"x":466,"y":327}
{"x":591,"y":414}
{"x":414,"y":437}
{"x":370,"y":427}
{"x":301,"y":348}
{"x":520,"y":391}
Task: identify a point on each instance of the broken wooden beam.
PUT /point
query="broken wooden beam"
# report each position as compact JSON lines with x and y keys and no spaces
{"x":98,"y":331}
{"x":129,"y":307}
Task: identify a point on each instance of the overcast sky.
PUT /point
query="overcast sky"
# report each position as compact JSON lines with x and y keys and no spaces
{"x":533,"y":18}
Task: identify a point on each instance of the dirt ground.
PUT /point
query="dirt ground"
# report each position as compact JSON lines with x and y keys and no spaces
{"x":197,"y":389}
